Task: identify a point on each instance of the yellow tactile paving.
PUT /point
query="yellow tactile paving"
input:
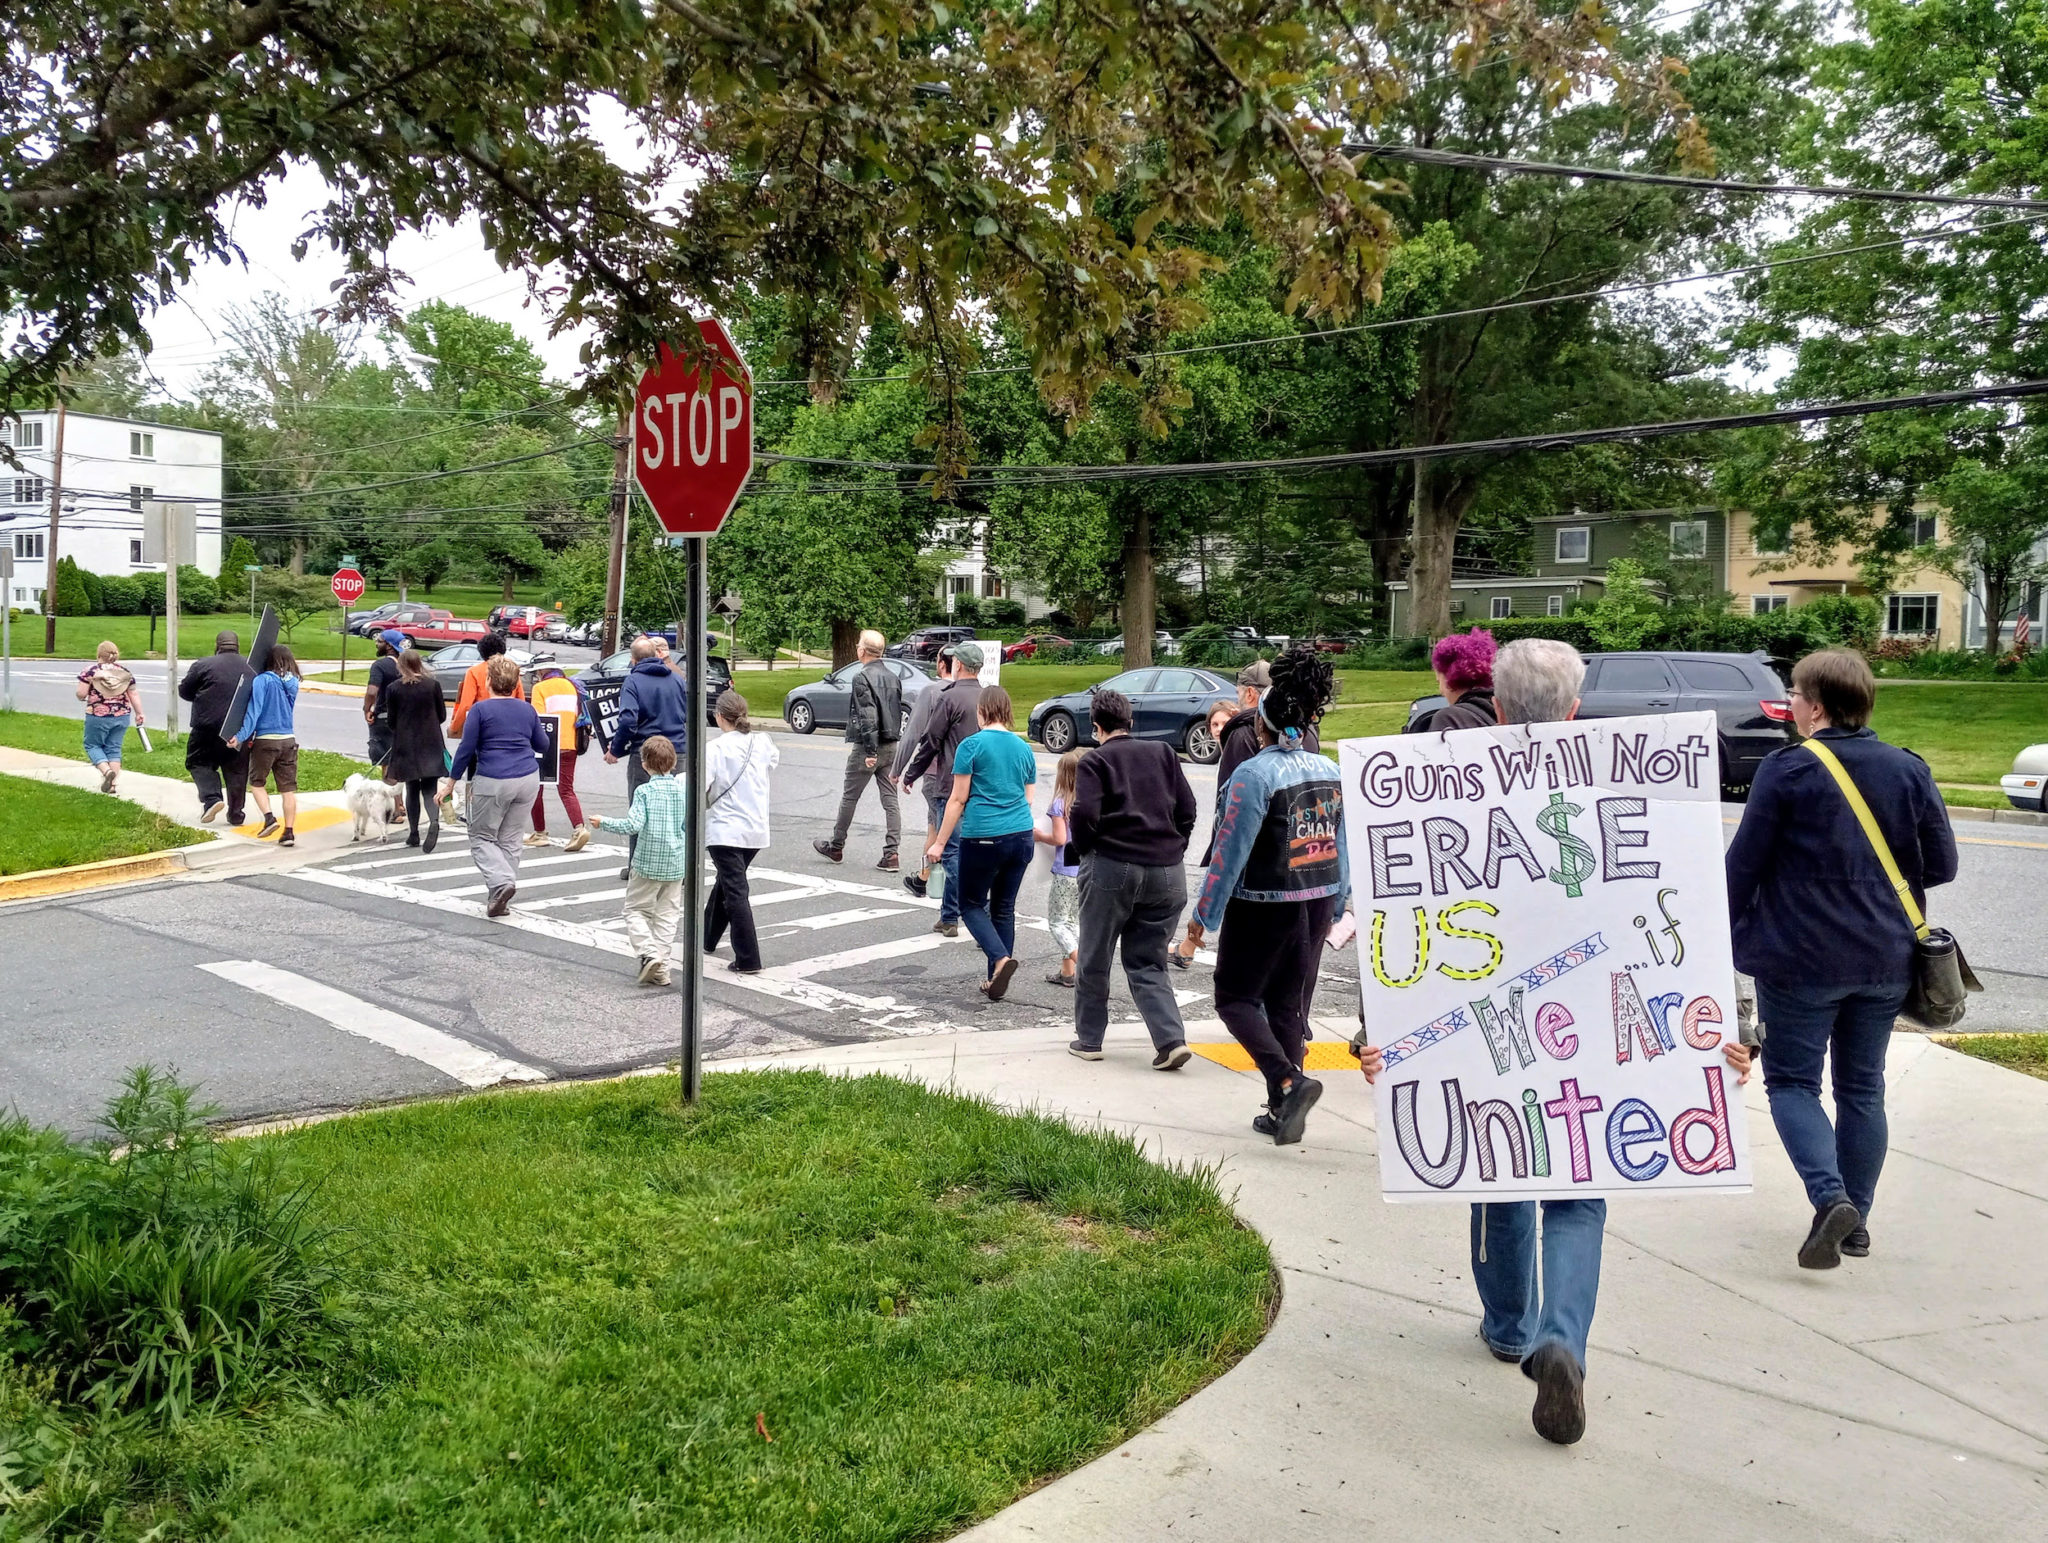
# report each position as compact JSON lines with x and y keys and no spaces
{"x":1324,"y":1055}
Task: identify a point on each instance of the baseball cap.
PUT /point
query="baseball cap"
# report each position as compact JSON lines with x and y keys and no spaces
{"x":1258,"y":673}
{"x":968,"y":654}
{"x":392,"y":636}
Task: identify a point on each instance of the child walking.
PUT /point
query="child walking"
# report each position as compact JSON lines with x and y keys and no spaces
{"x":654,"y":888}
{"x":1063,"y":907}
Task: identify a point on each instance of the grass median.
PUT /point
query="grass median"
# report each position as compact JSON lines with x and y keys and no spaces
{"x":812,"y":1307}
{"x":320,"y":771}
{"x":2021,"y":1052}
{"x":42,"y":826}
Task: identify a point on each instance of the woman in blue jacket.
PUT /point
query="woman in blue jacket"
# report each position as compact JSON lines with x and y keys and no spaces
{"x":1278,"y":879}
{"x":272,"y":738}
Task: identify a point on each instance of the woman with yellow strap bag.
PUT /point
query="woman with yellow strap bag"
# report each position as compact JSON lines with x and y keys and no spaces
{"x":1827,"y":884}
{"x":555,"y":696}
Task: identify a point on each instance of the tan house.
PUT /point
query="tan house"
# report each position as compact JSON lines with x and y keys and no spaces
{"x":1925,"y":601}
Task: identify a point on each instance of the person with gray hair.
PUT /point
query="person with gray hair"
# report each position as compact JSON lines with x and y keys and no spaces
{"x":874,"y":725}
{"x":1537,"y":680}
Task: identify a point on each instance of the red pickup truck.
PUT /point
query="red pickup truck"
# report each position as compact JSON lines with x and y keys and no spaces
{"x":443,"y":630}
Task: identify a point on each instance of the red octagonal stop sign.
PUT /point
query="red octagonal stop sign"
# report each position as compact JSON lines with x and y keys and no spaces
{"x":347,"y":585}
{"x":693,"y":442}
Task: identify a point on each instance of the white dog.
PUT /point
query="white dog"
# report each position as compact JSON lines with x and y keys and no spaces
{"x":370,"y":798}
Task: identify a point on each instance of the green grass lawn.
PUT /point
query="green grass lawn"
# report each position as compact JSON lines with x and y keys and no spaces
{"x":50,"y":827}
{"x":320,"y":771}
{"x":2022,"y":1052}
{"x":811,"y":1308}
{"x":1965,"y":731}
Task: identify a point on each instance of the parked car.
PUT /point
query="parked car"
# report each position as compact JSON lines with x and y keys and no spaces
{"x":442,"y":629}
{"x":1027,"y":646}
{"x":585,"y":634}
{"x":826,"y":704}
{"x":1166,"y":704}
{"x":448,"y":665}
{"x":556,"y":631}
{"x":926,"y":642}
{"x":356,"y":621}
{"x":2025,"y":783}
{"x":404,"y":617}
{"x":520,"y":621}
{"x":1746,"y":692}
{"x":717,"y":676}
{"x":1163,"y":646}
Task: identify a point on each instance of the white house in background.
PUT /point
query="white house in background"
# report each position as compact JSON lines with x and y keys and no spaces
{"x":968,"y":572}
{"x":112,"y":466}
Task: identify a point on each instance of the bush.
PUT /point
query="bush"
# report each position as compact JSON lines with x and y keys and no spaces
{"x":1209,"y":646}
{"x":967,"y":612}
{"x":158,"y":1270}
{"x":1564,"y":629}
{"x":198,"y":594}
{"x":1002,"y":613}
{"x":95,"y":593}
{"x":72,"y":597}
{"x":121,"y":595}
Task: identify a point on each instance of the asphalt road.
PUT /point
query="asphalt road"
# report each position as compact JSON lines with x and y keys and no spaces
{"x":373,"y":975}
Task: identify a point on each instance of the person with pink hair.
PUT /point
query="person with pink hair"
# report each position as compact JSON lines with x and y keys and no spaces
{"x":1463,"y":662}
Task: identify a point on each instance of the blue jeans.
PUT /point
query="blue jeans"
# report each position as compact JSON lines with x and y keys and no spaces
{"x":103,"y":738}
{"x":1519,"y":1314}
{"x":949,"y":860}
{"x":992,"y":870}
{"x":1801,"y":1025}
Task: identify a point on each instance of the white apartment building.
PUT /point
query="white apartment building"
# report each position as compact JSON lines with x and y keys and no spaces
{"x":112,"y":466}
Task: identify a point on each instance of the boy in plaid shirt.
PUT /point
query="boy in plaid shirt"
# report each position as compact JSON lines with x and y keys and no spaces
{"x":654,"y":888}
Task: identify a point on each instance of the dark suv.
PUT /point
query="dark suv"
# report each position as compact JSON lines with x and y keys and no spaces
{"x":1745,"y":691}
{"x":926,"y":642}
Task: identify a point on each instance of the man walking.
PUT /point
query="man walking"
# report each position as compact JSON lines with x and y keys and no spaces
{"x":944,"y":718}
{"x":383,"y":676}
{"x":210,"y":686}
{"x":874,"y":721}
{"x":652,"y":700}
{"x":1133,"y":813}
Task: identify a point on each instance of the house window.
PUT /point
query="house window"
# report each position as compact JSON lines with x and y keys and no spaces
{"x":29,"y":490}
{"x":139,"y":495}
{"x":1574,"y":543}
{"x":135,"y":550}
{"x":1688,"y":538}
{"x":991,"y":587}
{"x":1503,"y":607}
{"x":141,"y":447}
{"x":28,"y":543}
{"x":1554,"y":606}
{"x":1926,"y":529}
{"x":23,"y":436}
{"x":1912,"y":615}
{"x":1763,"y":605}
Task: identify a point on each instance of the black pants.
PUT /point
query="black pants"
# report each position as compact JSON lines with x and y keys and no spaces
{"x":417,"y":792}
{"x":1266,"y":964}
{"x":213,"y":764}
{"x":730,"y":906}
{"x":380,"y":742}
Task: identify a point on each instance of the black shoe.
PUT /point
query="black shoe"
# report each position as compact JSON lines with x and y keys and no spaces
{"x":1171,"y":1059}
{"x":825,"y":848}
{"x":412,"y":838}
{"x":1857,"y":1244}
{"x":287,"y":839}
{"x":946,"y":929}
{"x":1510,"y":1357}
{"x":1822,"y":1249}
{"x":1560,"y":1412}
{"x":1082,"y":1052}
{"x":625,"y":873}
{"x":433,"y":833}
{"x":501,"y":900}
{"x":1264,"y":1123}
{"x":916,"y":885}
{"x":269,"y":825}
{"x":1179,"y":960}
{"x":889,"y":862}
{"x":211,"y":812}
{"x":1290,"y":1115}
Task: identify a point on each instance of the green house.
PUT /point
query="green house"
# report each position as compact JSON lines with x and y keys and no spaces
{"x":1569,"y":558}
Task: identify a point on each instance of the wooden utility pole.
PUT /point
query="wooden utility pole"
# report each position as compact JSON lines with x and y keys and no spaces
{"x":615,"y":560}
{"x":50,"y":545}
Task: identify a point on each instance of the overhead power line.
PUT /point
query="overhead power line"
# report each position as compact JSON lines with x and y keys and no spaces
{"x":1419,"y":156}
{"x":430,"y":476}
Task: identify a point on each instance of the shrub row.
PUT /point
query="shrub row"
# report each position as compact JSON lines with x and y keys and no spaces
{"x":81,"y":593}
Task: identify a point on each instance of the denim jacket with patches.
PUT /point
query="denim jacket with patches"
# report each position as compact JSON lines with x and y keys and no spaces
{"x":1280,"y":835}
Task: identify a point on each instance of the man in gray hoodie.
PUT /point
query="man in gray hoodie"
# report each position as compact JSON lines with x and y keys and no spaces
{"x":941,"y":720}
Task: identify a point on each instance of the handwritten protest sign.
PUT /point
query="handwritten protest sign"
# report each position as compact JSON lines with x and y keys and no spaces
{"x":1544,"y":956}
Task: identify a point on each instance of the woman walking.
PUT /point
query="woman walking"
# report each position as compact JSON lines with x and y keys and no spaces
{"x":1063,"y":905}
{"x":991,"y":812}
{"x":1463,"y":663}
{"x":418,"y":754}
{"x":268,"y":728}
{"x":500,"y":741}
{"x":1220,"y":718}
{"x":1278,"y":880}
{"x":1817,"y":921}
{"x":736,"y":768}
{"x":112,"y":702}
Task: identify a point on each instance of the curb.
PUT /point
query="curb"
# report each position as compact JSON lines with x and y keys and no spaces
{"x":44,"y":882}
{"x":1998,"y":816}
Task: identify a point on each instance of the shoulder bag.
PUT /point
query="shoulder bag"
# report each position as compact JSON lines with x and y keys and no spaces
{"x":1942,"y":977}
{"x":745,"y":765}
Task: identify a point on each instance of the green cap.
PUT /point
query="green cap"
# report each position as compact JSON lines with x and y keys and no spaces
{"x":968,"y":654}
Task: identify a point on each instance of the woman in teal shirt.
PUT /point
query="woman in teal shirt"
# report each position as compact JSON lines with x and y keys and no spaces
{"x":992,"y":813}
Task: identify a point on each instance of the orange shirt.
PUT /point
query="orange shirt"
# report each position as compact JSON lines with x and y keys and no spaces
{"x":474,"y":689}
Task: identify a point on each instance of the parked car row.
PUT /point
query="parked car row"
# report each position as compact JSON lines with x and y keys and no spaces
{"x":1166,"y":704}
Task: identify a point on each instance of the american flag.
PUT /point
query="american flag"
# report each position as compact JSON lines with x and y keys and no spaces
{"x":2020,"y":630}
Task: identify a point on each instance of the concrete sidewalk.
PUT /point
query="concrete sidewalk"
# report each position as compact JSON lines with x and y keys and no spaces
{"x":1730,"y":1394}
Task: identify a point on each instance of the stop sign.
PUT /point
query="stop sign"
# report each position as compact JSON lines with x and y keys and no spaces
{"x":347,"y":585}
{"x":693,"y":441}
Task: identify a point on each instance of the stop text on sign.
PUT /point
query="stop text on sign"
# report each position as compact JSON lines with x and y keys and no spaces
{"x":693,"y":423}
{"x":693,"y":432}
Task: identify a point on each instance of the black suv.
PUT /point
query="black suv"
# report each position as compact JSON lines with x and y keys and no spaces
{"x":1745,"y":691}
{"x":926,"y":642}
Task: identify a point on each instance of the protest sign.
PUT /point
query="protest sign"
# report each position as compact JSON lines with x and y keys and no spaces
{"x":1544,"y":958}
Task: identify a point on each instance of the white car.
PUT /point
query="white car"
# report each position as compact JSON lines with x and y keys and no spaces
{"x":1163,"y":646}
{"x":2029,"y":776}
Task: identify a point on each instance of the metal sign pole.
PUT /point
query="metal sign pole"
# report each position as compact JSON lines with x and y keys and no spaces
{"x":6,"y":629}
{"x":172,"y":554}
{"x":693,"y":877}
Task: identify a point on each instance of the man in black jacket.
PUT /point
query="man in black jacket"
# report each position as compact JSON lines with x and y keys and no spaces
{"x":210,"y":687}
{"x":943,"y":718}
{"x":874,"y":722}
{"x":1133,"y":813}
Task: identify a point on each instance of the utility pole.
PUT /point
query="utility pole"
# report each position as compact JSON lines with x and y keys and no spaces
{"x":615,"y":561}
{"x":50,"y":546}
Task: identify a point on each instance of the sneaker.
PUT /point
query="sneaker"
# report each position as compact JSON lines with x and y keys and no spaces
{"x":1179,"y":960}
{"x":1264,"y":1123}
{"x":1172,"y":1059}
{"x":287,"y":839}
{"x":579,"y":838}
{"x":660,"y":976}
{"x":648,"y":966}
{"x":237,"y":818}
{"x":1290,"y":1115}
{"x":535,"y":838}
{"x":825,"y":848}
{"x":889,"y":862}
{"x":1560,"y":1412}
{"x":946,"y":929}
{"x":914,"y":882}
{"x":1822,"y":1249}
{"x":211,"y":812}
{"x":999,"y":979}
{"x":737,"y":968}
{"x":1057,"y":979}
{"x":269,"y":825}
{"x":625,"y":873}
{"x":1857,"y":1244}
{"x":501,"y":900}
{"x":1082,"y":1052}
